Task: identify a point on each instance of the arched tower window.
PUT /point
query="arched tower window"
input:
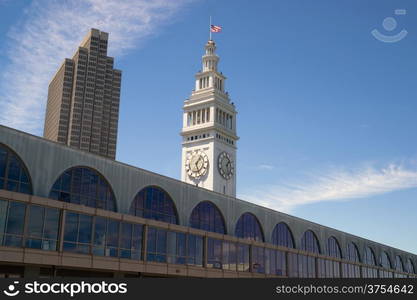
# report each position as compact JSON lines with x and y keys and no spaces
{"x":309,"y":242}
{"x":333,"y":248}
{"x":248,"y":227}
{"x":85,"y":186}
{"x":206,"y":216}
{"x":282,"y":236}
{"x":152,"y":202}
{"x":13,"y":173}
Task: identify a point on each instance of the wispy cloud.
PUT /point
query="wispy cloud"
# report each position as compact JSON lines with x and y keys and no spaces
{"x":335,"y":185}
{"x":265,"y":167}
{"x":51,"y":32}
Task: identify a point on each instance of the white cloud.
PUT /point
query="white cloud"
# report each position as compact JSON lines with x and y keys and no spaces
{"x":51,"y":32}
{"x":334,"y":185}
{"x":265,"y":167}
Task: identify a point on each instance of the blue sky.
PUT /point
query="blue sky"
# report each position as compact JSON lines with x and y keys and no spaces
{"x":327,"y":113}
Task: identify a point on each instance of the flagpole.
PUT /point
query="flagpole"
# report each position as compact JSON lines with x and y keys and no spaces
{"x":210,"y":28}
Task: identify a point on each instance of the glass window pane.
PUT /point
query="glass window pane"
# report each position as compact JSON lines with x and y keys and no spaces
{"x":232,"y":257}
{"x":214,"y":255}
{"x":100,"y":231}
{"x":71,"y":227}
{"x":243,"y":258}
{"x":16,"y":218}
{"x":12,"y":185}
{"x":3,"y":160}
{"x":281,"y":267}
{"x":172,"y":243}
{"x":65,"y":181}
{"x":333,"y":248}
{"x":161,"y":241}
{"x":310,"y":243}
{"x":258,"y":260}
{"x":36,"y":219}
{"x":248,"y":227}
{"x":84,"y":186}
{"x":85,"y":229}
{"x":112,"y":233}
{"x":137,"y":241}
{"x":195,"y":250}
{"x":151,"y":238}
{"x":282,"y":236}
{"x":3,"y":216}
{"x":126,"y":236}
{"x":206,"y":216}
{"x":199,"y":251}
{"x":14,"y":168}
{"x":292,"y":265}
{"x":181,"y":244}
{"x":51,"y":226}
{"x":154,"y":203}
{"x":13,"y":175}
{"x":34,"y":243}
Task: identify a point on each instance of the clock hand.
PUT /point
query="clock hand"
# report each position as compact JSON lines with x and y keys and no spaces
{"x":197,"y":164}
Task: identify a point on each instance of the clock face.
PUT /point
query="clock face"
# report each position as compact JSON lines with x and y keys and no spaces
{"x":196,"y":164}
{"x":225,"y":165}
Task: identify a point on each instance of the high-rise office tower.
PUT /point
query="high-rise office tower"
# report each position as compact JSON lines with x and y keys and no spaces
{"x":83,"y":99}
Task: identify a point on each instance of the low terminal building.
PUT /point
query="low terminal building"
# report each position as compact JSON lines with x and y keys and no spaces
{"x":69,"y":213}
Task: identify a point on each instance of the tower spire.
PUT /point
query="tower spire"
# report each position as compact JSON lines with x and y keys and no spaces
{"x":210,"y":29}
{"x":210,"y":58}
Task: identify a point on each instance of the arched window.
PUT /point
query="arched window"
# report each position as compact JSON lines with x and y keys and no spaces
{"x":385,"y":261}
{"x":282,"y":236}
{"x":333,"y":248}
{"x":399,"y":264}
{"x":206,"y":216}
{"x":410,"y":267}
{"x":154,"y":203}
{"x":352,"y":253}
{"x":85,"y":186}
{"x":248,"y":227}
{"x":13,"y":174}
{"x":369,"y":257}
{"x":309,"y":242}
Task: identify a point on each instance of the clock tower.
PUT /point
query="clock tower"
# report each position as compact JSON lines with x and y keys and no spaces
{"x":209,"y":130}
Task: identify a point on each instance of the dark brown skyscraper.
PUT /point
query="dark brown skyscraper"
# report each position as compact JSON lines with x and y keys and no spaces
{"x":83,"y":99}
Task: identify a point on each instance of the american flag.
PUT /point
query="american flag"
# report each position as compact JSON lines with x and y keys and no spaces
{"x":215,"y":28}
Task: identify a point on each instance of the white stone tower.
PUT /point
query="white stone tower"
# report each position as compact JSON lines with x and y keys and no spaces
{"x":209,"y":130}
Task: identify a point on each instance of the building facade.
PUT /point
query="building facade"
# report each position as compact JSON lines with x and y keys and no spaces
{"x":209,"y":130}
{"x":66,"y":212}
{"x":83,"y":99}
